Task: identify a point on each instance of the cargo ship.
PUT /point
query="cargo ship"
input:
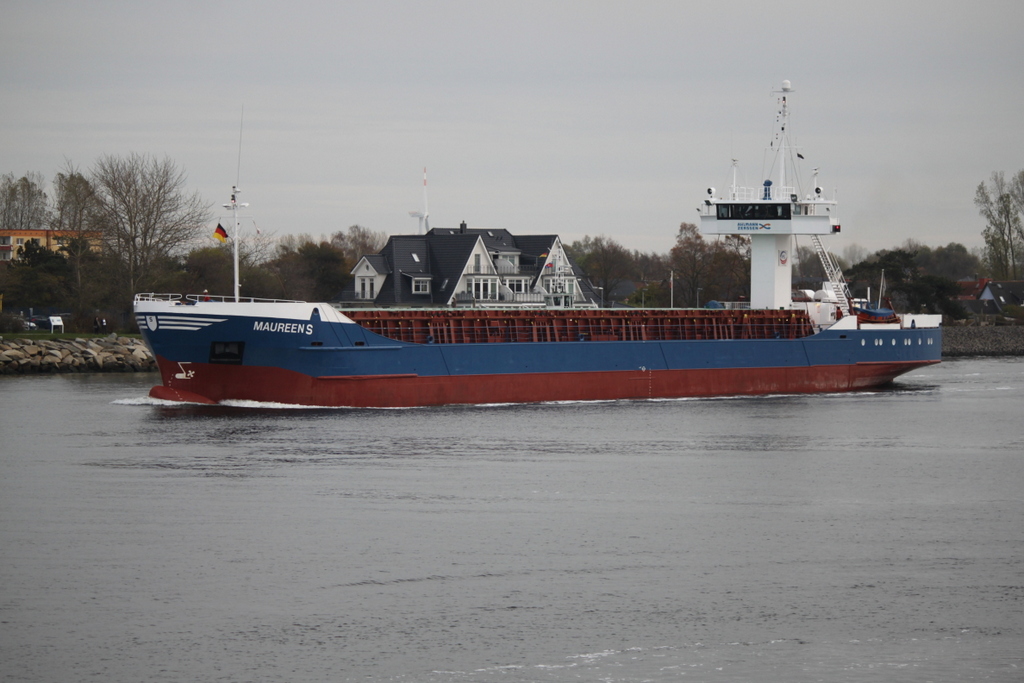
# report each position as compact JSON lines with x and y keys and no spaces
{"x":523,"y":350}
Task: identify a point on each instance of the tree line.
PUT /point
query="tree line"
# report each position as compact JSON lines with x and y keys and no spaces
{"x":130,"y":225}
{"x":153,"y":235}
{"x":696,"y":271}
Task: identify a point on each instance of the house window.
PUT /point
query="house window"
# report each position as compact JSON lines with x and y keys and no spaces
{"x":416,"y":258}
{"x":482,"y":288}
{"x":366,"y":287}
{"x":476,"y":263}
{"x":421,"y":286}
{"x":516,"y":284}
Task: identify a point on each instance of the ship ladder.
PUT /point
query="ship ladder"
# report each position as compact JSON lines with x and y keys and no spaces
{"x":835,"y":283}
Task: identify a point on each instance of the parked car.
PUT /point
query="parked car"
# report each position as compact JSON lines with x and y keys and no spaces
{"x":41,"y":322}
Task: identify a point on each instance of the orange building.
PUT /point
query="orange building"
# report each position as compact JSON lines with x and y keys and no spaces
{"x":11,"y":241}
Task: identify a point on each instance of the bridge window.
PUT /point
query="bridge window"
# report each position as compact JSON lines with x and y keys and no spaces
{"x":757,"y":211}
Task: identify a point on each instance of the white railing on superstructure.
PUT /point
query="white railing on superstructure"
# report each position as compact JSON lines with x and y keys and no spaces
{"x":151,"y":296}
{"x":755,"y":194}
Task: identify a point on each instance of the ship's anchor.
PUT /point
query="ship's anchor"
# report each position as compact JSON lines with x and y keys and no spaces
{"x":184,"y":374}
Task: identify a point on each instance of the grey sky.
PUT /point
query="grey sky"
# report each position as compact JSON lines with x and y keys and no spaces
{"x":570,"y":117}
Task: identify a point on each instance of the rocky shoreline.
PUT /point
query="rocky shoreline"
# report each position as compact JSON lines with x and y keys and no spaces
{"x":127,"y":354}
{"x":983,"y":341}
{"x":102,"y":354}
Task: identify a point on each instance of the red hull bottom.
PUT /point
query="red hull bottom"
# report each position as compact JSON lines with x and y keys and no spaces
{"x":214,"y":383}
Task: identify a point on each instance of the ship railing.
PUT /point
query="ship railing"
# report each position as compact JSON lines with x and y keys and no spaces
{"x":754,"y":194}
{"x":731,"y":305}
{"x":478,"y":333}
{"x":194,"y":298}
{"x":744,"y":194}
{"x":481,"y":325}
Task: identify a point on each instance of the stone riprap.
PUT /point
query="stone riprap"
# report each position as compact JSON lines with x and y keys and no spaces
{"x":983,"y":341}
{"x":103,"y":354}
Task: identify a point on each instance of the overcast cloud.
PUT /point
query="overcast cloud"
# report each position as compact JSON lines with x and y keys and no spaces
{"x":575,"y":118}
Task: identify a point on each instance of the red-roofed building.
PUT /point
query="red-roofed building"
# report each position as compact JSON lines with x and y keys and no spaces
{"x":972,"y":289}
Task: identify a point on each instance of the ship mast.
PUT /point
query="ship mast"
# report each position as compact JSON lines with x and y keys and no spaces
{"x":233,"y":206}
{"x":784,"y":141}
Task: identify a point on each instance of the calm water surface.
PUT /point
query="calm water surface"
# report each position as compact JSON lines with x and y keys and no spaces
{"x":867,"y":537}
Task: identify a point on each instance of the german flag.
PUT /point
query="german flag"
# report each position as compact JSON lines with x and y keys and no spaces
{"x":220,"y":233}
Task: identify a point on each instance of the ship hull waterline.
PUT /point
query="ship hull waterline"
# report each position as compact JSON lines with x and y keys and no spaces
{"x":279,"y":385}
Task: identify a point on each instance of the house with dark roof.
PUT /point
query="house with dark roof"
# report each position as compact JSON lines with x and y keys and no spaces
{"x":1003,"y":293}
{"x":483,"y":267}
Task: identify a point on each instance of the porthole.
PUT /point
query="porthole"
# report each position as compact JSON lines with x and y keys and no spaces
{"x":862,"y":342}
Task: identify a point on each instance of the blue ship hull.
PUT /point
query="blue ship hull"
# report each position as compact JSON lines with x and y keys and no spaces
{"x":309,"y":354}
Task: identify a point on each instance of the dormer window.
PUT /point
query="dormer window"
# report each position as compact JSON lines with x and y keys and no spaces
{"x":421,"y":285}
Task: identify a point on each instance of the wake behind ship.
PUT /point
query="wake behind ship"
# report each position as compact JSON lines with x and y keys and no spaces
{"x":531,"y":339}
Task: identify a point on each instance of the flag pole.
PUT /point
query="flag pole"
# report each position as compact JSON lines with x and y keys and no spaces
{"x":234,"y":206}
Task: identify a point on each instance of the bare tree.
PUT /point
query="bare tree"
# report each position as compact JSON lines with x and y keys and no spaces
{"x":23,"y":202}
{"x":145,"y":216}
{"x":690,"y":259}
{"x":807,"y":265}
{"x":648,"y":265}
{"x":73,"y":218}
{"x":606,"y":262}
{"x":255,"y":250}
{"x":854,"y":253}
{"x":74,"y":202}
{"x":358,"y":241}
{"x":1003,"y":233}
